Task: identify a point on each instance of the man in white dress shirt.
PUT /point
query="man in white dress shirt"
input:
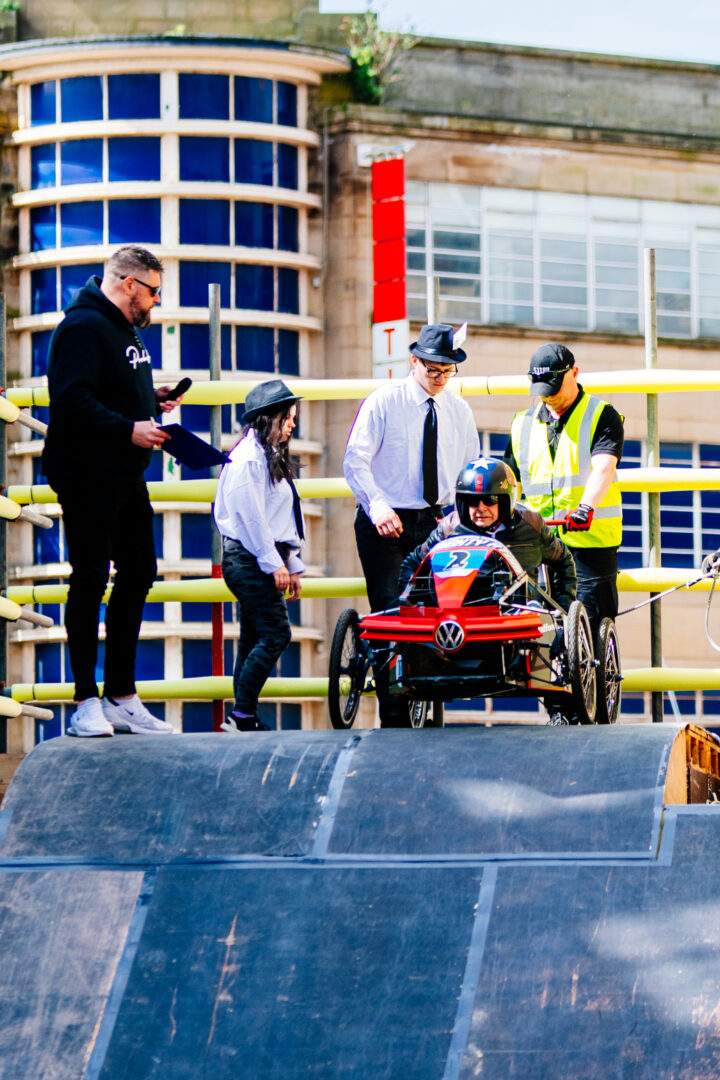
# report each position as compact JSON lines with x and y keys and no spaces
{"x":407,"y":445}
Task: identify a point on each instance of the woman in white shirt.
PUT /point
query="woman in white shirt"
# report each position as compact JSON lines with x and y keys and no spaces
{"x":257,"y":511}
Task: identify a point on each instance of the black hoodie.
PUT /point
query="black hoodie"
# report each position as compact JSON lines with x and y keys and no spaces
{"x":100,"y":381}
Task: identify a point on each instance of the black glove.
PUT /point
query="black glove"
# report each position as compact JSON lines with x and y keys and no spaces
{"x":579,"y":520}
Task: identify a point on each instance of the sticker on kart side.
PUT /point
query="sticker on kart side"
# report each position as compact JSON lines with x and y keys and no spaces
{"x":458,"y":556}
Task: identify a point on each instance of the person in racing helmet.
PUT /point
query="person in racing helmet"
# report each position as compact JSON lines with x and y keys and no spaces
{"x":485,"y":493}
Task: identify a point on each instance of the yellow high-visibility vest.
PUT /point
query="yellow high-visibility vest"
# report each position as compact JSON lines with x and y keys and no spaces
{"x":552,"y":488}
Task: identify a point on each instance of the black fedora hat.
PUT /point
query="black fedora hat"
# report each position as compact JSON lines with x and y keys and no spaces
{"x":435,"y":343}
{"x":267,"y":397}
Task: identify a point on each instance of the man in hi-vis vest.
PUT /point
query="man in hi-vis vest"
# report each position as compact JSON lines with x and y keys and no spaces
{"x":565,"y":451}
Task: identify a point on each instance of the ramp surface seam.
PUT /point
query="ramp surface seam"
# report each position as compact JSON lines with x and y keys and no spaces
{"x":471,"y":978}
{"x":117,"y":990}
{"x":332,"y":799}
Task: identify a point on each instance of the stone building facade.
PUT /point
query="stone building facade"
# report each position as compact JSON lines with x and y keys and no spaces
{"x":534,"y":181}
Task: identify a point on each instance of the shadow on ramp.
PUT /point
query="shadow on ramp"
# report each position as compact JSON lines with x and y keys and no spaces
{"x":472,"y":902}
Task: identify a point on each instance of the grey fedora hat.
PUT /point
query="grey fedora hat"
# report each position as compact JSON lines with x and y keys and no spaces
{"x":266,"y":397}
{"x":435,"y":343}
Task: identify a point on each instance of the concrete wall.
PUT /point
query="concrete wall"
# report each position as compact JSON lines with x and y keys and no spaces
{"x":544,"y":86}
{"x":236,"y":18}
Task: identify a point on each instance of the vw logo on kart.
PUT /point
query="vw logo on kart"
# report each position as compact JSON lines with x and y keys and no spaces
{"x":449,"y":635}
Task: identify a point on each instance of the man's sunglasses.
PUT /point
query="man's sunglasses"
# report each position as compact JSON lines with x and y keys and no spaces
{"x":487,"y":500}
{"x":154,"y":289}
{"x":554,"y":375}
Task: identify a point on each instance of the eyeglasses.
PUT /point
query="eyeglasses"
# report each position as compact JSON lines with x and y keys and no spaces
{"x":439,"y":373}
{"x":154,"y":289}
{"x":487,"y":500}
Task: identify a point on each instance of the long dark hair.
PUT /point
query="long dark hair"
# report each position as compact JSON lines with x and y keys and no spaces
{"x":265,"y":425}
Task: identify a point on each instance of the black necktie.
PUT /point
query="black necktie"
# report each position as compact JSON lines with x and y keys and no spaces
{"x":297,"y":510}
{"x":429,"y":456}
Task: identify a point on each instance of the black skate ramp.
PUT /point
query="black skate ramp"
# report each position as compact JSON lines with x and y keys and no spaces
{"x":387,"y":905}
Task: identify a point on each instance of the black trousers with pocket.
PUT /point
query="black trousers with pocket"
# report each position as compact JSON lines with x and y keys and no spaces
{"x":112,"y":522}
{"x":264,"y":624}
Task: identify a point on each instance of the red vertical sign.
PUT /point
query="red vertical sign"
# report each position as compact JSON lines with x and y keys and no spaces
{"x":388,"y":194}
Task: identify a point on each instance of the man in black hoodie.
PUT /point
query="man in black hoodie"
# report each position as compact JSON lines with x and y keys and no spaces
{"x":100,"y":438}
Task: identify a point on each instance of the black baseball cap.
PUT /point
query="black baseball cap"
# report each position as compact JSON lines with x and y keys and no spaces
{"x":548,"y":367}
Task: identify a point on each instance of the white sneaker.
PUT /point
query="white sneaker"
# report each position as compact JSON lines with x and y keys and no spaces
{"x":88,"y":720}
{"x":132,"y":716}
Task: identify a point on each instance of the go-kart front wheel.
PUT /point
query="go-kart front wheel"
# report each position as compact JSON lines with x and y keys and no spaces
{"x":347,"y":669}
{"x":609,"y":673}
{"x":582,"y":673}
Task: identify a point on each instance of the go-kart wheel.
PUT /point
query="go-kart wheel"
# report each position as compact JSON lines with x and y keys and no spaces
{"x":417,"y":713}
{"x":582,"y":673}
{"x":609,"y":673}
{"x":346,"y":675}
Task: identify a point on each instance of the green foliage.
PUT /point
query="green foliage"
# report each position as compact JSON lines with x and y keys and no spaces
{"x":372,"y":54}
{"x":9,"y":5}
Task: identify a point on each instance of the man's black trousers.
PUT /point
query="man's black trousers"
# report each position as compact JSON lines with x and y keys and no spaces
{"x":597,"y":570}
{"x":104,"y":523}
{"x":381,"y":558}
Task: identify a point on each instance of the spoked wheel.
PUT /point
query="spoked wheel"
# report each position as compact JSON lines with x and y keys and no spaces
{"x":347,"y":670}
{"x":582,"y":673}
{"x":418,"y":713}
{"x":609,"y":673}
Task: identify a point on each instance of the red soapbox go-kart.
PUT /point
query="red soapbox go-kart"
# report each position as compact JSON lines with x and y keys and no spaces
{"x":472,"y":623}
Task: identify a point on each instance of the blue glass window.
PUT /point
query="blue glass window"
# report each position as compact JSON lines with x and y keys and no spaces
{"x":288,"y":352}
{"x":195,"y":347}
{"x":204,"y":158}
{"x":43,"y":227}
{"x":195,"y":277}
{"x":42,"y":166}
{"x":81,"y":98}
{"x":255,"y":348}
{"x":134,"y":221}
{"x":254,"y":225}
{"x":73,"y":278}
{"x":291,"y":717}
{"x":287,"y":166}
{"x":196,"y":418}
{"x":287,"y":104}
{"x":253,"y":162}
{"x":81,"y":223}
{"x":46,"y":544}
{"x":150,"y":662}
{"x":287,"y":228}
{"x":151,"y":338}
{"x":197,"y":716}
{"x":43,"y":287}
{"x":253,"y":99}
{"x":40,"y":342}
{"x":48,"y":662}
{"x":134,"y":97}
{"x":81,"y":161}
{"x":254,"y":287}
{"x":133,"y":158}
{"x":288,"y":297}
{"x":203,"y":97}
{"x":195,"y":533}
{"x":204,"y":221}
{"x":42,"y":103}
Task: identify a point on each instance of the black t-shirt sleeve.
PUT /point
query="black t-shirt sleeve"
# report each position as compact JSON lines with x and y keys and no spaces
{"x":509,"y":458}
{"x":609,"y":434}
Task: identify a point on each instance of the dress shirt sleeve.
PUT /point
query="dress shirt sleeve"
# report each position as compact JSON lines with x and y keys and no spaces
{"x":472,"y":439}
{"x":295,"y":564}
{"x":365,"y":439}
{"x":244,"y":495}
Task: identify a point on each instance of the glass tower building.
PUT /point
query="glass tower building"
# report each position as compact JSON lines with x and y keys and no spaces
{"x":197,"y":149}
